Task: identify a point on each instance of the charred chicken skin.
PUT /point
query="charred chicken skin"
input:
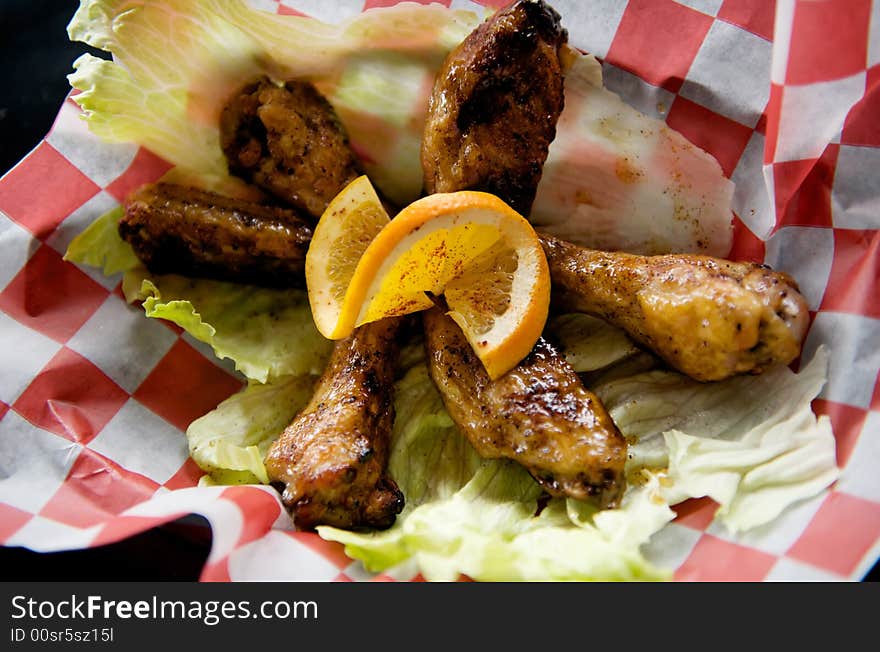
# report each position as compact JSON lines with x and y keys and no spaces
{"x":491,"y":118}
{"x":494,"y":107}
{"x":330,"y":462}
{"x":182,"y":230}
{"x":707,"y":317}
{"x":539,"y":414}
{"x":287,"y":140}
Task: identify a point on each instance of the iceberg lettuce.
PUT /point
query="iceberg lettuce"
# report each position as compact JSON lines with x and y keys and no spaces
{"x":99,"y":245}
{"x":589,"y":343}
{"x":176,"y":62}
{"x":751,"y":443}
{"x":267,"y":333}
{"x":481,"y":518}
{"x":617,"y":179}
{"x":231,"y":442}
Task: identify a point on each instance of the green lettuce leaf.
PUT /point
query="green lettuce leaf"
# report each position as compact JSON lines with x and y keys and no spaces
{"x":267,"y":333}
{"x":480,"y":518}
{"x":752,"y":443}
{"x":231,"y":441}
{"x":176,"y":62}
{"x":589,"y":343}
{"x":99,"y":245}
{"x":490,"y":531}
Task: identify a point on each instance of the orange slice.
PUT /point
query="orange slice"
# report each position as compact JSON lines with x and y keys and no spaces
{"x":342,"y":235}
{"x":468,"y":246}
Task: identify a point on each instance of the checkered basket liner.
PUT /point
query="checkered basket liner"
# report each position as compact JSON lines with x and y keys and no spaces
{"x":95,"y":399}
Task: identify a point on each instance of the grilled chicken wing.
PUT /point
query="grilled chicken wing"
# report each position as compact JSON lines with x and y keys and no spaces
{"x":707,"y":317}
{"x":491,"y":118}
{"x":182,"y":230}
{"x":330,"y":461}
{"x":490,"y":121}
{"x":287,"y":140}
{"x":494,"y":107}
{"x":539,"y":415}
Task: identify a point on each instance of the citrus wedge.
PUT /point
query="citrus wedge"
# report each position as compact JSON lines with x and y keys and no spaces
{"x":469,"y":246}
{"x":342,"y":235}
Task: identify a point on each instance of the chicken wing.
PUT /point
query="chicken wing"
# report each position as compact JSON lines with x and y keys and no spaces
{"x":491,"y":118}
{"x":494,"y":107}
{"x":539,"y":415}
{"x":709,"y":318}
{"x":287,"y":140}
{"x":182,"y":230}
{"x":330,"y":462}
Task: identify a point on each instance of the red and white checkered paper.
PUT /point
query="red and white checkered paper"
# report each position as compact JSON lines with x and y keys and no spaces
{"x":95,"y":398}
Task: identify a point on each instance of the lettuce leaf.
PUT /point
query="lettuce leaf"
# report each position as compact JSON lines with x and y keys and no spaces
{"x":480,"y":518}
{"x":99,"y":245}
{"x":752,"y":443}
{"x":175,"y":63}
{"x":267,"y":333}
{"x":231,"y":442}
{"x":608,"y":160}
{"x":589,"y":343}
{"x":489,"y":531}
{"x":756,"y":478}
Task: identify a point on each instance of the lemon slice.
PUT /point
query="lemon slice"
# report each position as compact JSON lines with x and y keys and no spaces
{"x":342,"y":235}
{"x":469,"y":246}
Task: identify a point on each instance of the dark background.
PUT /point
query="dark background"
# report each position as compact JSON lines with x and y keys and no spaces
{"x":36,"y":57}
